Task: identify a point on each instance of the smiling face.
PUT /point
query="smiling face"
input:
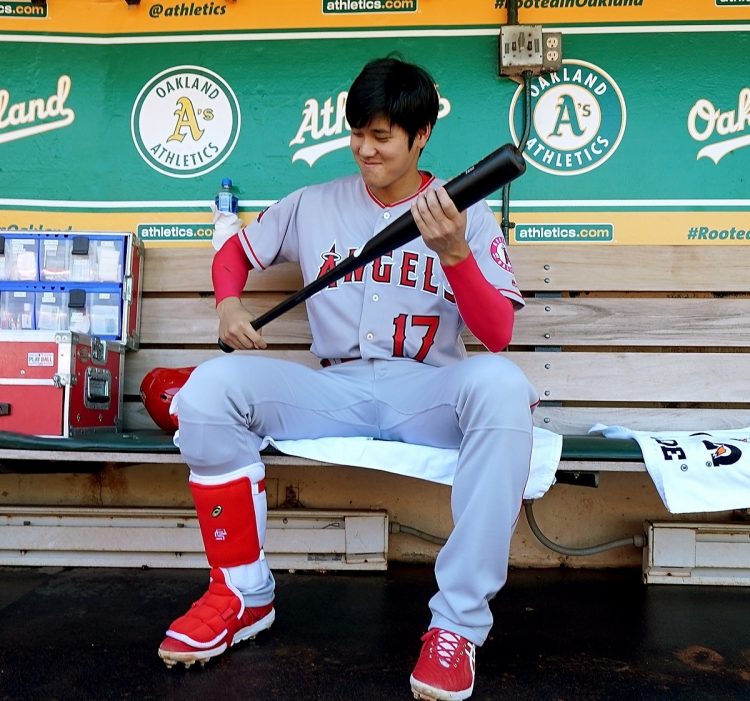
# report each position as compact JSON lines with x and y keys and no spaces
{"x":387,"y":164}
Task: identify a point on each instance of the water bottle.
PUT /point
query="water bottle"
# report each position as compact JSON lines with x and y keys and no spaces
{"x":226,"y":201}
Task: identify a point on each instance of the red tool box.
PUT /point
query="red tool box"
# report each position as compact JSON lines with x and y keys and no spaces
{"x":59,"y":384}
{"x":69,"y":308}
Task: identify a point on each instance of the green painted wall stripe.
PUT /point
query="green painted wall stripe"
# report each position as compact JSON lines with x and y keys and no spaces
{"x":290,"y":98}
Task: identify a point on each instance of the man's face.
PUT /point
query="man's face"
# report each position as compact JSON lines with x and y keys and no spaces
{"x":387,"y":164}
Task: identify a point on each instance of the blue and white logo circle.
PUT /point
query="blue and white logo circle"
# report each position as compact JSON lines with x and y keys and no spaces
{"x":578,"y":117}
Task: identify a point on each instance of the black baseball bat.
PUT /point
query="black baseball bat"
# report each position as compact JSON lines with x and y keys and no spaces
{"x":475,"y":183}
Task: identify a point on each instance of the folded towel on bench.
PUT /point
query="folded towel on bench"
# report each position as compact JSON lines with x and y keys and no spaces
{"x":694,"y":470}
{"x":423,"y":462}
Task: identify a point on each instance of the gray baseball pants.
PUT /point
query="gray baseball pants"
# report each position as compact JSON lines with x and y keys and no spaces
{"x":481,"y":405}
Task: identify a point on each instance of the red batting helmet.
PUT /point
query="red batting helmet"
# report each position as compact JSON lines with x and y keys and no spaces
{"x":158,"y":388}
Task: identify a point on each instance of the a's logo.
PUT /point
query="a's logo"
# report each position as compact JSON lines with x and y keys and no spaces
{"x":324,"y":124}
{"x":577,"y":121}
{"x":185,"y":121}
{"x":216,"y":512}
{"x":36,"y":115}
{"x":730,"y":130}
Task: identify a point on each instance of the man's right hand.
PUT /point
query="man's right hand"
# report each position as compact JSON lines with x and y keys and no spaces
{"x":235,"y":327}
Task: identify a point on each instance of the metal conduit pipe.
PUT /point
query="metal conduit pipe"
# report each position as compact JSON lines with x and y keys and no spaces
{"x":638,"y":540}
{"x":512,"y":11}
{"x":399,"y":528}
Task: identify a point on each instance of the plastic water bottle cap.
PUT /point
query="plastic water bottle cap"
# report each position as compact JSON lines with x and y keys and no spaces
{"x":226,"y":182}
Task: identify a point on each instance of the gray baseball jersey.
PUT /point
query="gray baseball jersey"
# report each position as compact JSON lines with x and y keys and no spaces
{"x":399,"y":305}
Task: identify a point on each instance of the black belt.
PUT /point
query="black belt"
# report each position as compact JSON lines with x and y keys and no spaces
{"x":327,"y":362}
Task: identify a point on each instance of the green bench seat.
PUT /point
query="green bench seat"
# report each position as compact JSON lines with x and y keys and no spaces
{"x":129,"y":446}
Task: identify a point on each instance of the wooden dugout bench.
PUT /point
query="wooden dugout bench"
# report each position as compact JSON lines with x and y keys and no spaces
{"x":650,"y":337}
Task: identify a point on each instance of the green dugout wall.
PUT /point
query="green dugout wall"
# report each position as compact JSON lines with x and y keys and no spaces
{"x":118,"y":117}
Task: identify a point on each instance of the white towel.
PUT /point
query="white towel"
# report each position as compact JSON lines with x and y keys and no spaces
{"x":424,"y":462}
{"x":694,"y":470}
{"x":226,"y":225}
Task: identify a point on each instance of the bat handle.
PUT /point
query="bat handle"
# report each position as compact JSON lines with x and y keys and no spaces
{"x":225,"y":347}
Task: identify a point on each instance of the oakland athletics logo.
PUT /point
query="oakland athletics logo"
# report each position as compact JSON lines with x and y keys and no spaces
{"x":185,"y":121}
{"x":578,"y":118}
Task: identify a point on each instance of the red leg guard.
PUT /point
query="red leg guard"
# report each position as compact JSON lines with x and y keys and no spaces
{"x":226,"y":515}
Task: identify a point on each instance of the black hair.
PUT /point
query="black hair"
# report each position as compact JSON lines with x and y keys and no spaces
{"x":403,"y":93}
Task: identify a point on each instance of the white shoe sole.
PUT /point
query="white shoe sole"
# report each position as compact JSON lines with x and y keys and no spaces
{"x":202,"y":656}
{"x":425,"y":692}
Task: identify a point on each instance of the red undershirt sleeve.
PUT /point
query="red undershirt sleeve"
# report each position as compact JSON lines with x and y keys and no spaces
{"x":229,"y":270}
{"x":487,"y":312}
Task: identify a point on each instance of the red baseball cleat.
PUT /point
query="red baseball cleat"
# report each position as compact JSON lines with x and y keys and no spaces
{"x":214,"y":623}
{"x":445,"y":669}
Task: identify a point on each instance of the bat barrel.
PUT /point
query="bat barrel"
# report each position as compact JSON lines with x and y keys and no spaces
{"x":483,"y":178}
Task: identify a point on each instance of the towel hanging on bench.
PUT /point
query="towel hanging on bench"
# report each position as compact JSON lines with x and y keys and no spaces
{"x":694,"y":470}
{"x":423,"y":462}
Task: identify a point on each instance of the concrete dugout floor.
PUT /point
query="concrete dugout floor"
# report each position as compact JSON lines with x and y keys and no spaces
{"x":560,"y":635}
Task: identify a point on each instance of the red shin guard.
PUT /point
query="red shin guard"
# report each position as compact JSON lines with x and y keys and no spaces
{"x":226,"y":515}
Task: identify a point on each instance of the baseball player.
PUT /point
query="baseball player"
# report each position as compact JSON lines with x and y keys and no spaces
{"x":393,"y":367}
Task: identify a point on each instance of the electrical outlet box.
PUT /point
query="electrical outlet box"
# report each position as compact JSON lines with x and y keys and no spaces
{"x":697,"y":553}
{"x":525,"y":48}
{"x":552,"y":51}
{"x":521,"y":46}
